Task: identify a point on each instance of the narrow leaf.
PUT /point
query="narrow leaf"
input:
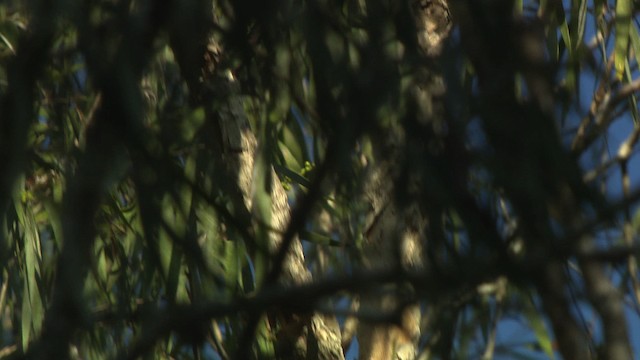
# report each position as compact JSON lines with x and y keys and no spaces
{"x":623,"y":24}
{"x":582,"y":20}
{"x":540,"y":330}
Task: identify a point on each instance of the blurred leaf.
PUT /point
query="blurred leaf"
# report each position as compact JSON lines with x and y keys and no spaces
{"x":290,"y":160}
{"x":232,"y":261}
{"x":323,"y":84}
{"x":265,"y":339}
{"x":552,"y":38}
{"x":53,"y":214}
{"x":566,"y":37}
{"x":32,"y":303}
{"x":295,"y":177}
{"x":633,"y":103}
{"x":623,"y":25}
{"x":192,"y":124}
{"x":635,"y":43}
{"x":320,"y":239}
{"x":261,"y":199}
{"x":535,"y":320}
{"x":581,"y":14}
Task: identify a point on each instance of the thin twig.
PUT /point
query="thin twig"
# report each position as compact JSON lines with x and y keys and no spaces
{"x":216,"y":341}
{"x":499,"y":296}
{"x":601,"y":109}
{"x":627,"y":230}
{"x":3,"y":292}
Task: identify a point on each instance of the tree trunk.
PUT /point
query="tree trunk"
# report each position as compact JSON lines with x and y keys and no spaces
{"x":314,"y":337}
{"x":395,"y":231}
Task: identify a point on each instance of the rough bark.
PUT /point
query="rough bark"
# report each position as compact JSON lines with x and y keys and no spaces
{"x":395,"y":232}
{"x":315,"y":337}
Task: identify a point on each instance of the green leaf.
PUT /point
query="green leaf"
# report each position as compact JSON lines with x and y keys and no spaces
{"x":295,"y":177}
{"x":32,"y":304}
{"x":171,"y":257}
{"x":566,"y":37}
{"x":582,"y":20}
{"x":192,"y":123}
{"x":623,"y":24}
{"x":293,"y":138}
{"x":320,"y":239}
{"x":290,"y":160}
{"x":518,"y":7}
{"x":633,"y":103}
{"x":539,"y":329}
{"x":26,"y":319}
{"x":264,"y":337}
{"x":173,"y":229}
{"x":53,"y":213}
{"x":635,"y":115}
{"x":231,"y":263}
{"x":635,"y":43}
{"x":552,"y":38}
{"x":102,"y":265}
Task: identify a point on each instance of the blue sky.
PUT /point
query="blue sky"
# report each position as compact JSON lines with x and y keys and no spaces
{"x":515,"y":331}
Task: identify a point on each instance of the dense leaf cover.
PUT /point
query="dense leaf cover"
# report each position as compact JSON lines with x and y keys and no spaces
{"x":132,"y":226}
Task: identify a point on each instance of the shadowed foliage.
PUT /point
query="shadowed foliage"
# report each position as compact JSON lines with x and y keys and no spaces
{"x":318,"y":179}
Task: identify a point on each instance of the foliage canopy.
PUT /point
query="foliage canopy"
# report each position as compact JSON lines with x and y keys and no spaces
{"x":134,"y":225}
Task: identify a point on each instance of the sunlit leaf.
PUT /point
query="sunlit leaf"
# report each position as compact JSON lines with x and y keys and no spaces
{"x":320,"y":239}
{"x":262,"y":202}
{"x":32,"y":304}
{"x":623,"y":25}
{"x":535,"y":320}
{"x":581,"y":23}
{"x":635,"y":42}
{"x":566,"y":37}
